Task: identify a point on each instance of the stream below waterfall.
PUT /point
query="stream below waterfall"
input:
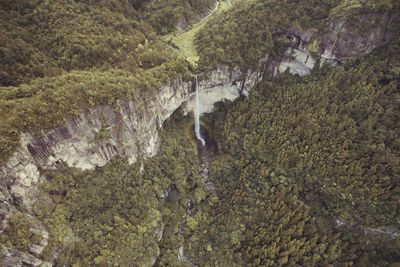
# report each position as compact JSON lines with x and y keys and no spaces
{"x":207,"y":151}
{"x":206,"y":156}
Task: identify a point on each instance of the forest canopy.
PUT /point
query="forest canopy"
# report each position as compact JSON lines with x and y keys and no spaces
{"x":241,"y":37}
{"x":60,"y":58}
{"x":305,"y":171}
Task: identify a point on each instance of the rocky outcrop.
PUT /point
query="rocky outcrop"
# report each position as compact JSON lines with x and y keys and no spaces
{"x":221,"y":84}
{"x":299,"y":61}
{"x":92,"y":139}
{"x":357,"y":36}
{"x":95,"y":137}
{"x":130,"y":130}
{"x":18,"y":258}
{"x":102,"y":133}
{"x":344,"y":39}
{"x":15,"y":257}
{"x":86,"y":142}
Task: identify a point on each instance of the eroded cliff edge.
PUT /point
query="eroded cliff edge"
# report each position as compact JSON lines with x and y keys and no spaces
{"x":97,"y":136}
{"x":104,"y":132}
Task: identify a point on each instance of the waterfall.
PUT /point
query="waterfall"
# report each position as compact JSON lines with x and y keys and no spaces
{"x":197,"y":114}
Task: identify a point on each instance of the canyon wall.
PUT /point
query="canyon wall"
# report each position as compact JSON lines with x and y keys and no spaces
{"x":92,"y":140}
{"x":98,"y":135}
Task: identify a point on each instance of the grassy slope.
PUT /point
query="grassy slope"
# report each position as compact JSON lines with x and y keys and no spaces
{"x":185,"y":40}
{"x":167,"y":15}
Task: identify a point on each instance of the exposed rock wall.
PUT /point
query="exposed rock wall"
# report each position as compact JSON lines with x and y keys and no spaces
{"x":86,"y":142}
{"x":97,"y":136}
{"x":221,"y":84}
{"x":102,"y":133}
{"x":92,"y":140}
{"x":344,"y":39}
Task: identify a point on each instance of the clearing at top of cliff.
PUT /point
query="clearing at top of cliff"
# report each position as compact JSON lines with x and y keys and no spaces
{"x":184,"y":40}
{"x":87,"y":53}
{"x":303,"y":172}
{"x":170,"y":15}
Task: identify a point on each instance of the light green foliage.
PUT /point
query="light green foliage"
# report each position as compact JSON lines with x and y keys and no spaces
{"x":300,"y":153}
{"x":253,"y":29}
{"x":165,"y":15}
{"x":18,"y":232}
{"x":114,"y":213}
{"x":313,"y":47}
{"x":90,"y":53}
{"x":243,"y":35}
{"x":192,"y":223}
{"x":185,"y":41}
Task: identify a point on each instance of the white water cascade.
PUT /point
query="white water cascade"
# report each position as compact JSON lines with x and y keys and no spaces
{"x":197,"y":115}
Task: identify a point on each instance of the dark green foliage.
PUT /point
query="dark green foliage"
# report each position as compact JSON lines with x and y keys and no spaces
{"x":112,"y":216}
{"x":258,"y":220}
{"x":93,"y":52}
{"x":44,"y":38}
{"x":337,"y":132}
{"x":18,"y":232}
{"x":243,"y":36}
{"x":347,"y":8}
{"x":299,"y":154}
{"x":252,"y":29}
{"x":165,"y":15}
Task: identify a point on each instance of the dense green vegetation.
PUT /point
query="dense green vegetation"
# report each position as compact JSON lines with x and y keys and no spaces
{"x":184,"y":40}
{"x":18,"y":232}
{"x":300,"y":154}
{"x":89,"y":53}
{"x":342,"y":144}
{"x":242,"y":36}
{"x":113,"y":215}
{"x":308,"y":170}
{"x":350,"y":7}
{"x":166,"y":15}
{"x":247,"y":33}
{"x":44,"y":38}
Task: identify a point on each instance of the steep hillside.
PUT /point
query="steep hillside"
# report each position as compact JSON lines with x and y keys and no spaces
{"x":99,"y":164}
{"x":308,"y":173}
{"x":89,"y":54}
{"x":171,"y":15}
{"x":254,"y":29}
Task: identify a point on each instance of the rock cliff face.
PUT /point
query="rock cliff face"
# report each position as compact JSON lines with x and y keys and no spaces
{"x":92,"y":140}
{"x":343,"y":40}
{"x":222,"y":84}
{"x":97,"y":136}
{"x":102,"y":133}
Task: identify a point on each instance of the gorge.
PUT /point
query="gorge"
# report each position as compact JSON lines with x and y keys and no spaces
{"x":315,"y":90}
